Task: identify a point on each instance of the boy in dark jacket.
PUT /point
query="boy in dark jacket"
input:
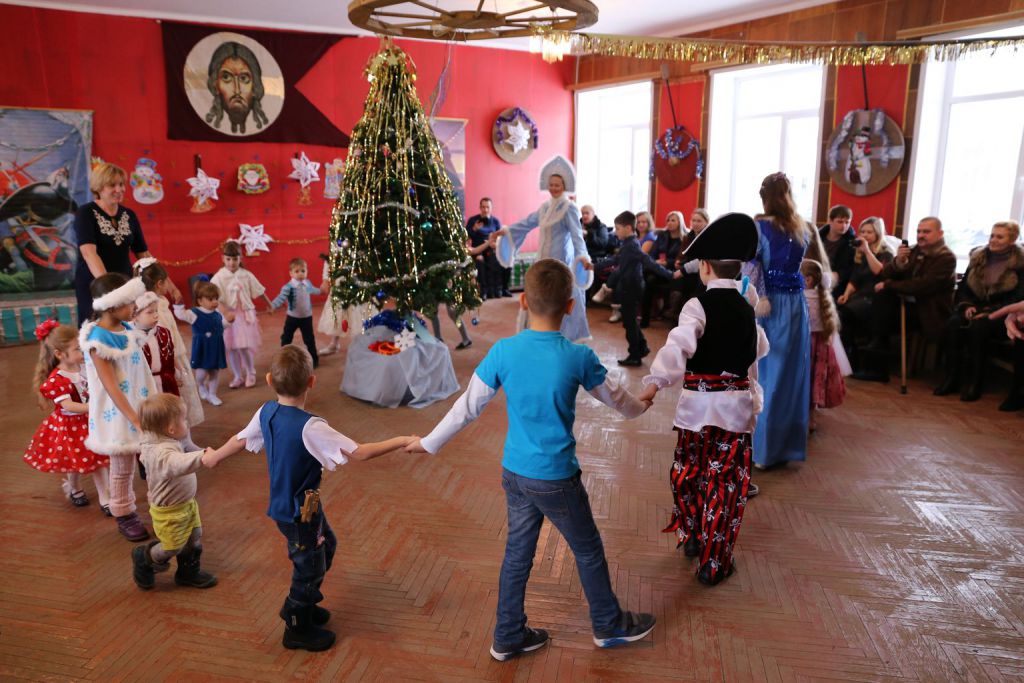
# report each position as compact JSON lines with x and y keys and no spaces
{"x":629,"y":283}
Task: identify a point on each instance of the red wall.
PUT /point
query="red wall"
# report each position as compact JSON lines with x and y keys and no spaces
{"x":114,"y":66}
{"x":887,"y":88}
{"x":689,"y":102}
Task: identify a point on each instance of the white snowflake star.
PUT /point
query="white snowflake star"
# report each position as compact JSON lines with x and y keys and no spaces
{"x":304,"y":170}
{"x":203,"y":187}
{"x":518,"y":137}
{"x":405,"y":340}
{"x":254,"y":239}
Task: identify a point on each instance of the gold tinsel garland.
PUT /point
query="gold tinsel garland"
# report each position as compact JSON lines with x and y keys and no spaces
{"x":707,"y":50}
{"x":216,"y":250}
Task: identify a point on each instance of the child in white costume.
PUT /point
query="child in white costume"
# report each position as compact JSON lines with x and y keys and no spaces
{"x":337,"y":321}
{"x":119,"y":380}
{"x":238,"y":288}
{"x":156,"y":280}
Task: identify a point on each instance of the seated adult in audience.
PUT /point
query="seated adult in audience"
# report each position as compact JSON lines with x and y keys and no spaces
{"x":595,"y":233}
{"x":665,"y":252}
{"x":837,"y":238}
{"x":855,"y":302}
{"x":994,"y":278}
{"x":925,"y":275}
{"x":645,"y":231}
{"x":690,"y":284}
{"x":1014,"y":321}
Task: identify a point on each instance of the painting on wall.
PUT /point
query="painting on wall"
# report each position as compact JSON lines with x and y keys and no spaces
{"x":44,"y":178}
{"x":451,"y":133}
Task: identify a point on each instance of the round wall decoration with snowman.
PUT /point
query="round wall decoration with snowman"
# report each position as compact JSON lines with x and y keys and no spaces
{"x":865,"y":153}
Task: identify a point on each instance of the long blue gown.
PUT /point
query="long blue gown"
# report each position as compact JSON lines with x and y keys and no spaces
{"x":784,"y":374}
{"x":561,"y":237}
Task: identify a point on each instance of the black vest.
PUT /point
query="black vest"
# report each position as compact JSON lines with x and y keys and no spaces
{"x":729,"y":342}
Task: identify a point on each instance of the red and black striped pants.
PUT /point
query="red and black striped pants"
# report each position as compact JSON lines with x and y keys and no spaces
{"x":710,"y":478}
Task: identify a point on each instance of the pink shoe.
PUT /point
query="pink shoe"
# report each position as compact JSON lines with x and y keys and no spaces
{"x":131,"y":527}
{"x":235,"y":383}
{"x":250,"y":381}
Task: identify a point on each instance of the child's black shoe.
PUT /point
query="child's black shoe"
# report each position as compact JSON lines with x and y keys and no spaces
{"x":311,"y":638}
{"x":189,"y":572}
{"x":535,"y":639}
{"x":632,"y":626}
{"x":692,"y":547}
{"x":630,"y":362}
{"x":142,"y":569}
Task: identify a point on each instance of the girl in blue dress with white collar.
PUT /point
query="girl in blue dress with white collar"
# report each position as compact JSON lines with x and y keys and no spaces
{"x":209,"y":355}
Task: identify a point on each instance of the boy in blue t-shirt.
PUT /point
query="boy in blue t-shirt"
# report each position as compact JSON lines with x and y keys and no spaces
{"x":299,"y":446}
{"x":541,"y":372}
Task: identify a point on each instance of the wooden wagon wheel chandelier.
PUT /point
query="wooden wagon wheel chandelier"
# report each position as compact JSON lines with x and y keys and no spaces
{"x":468,"y":20}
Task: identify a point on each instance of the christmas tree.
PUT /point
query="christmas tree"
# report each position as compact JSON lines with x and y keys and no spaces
{"x":396,"y":230}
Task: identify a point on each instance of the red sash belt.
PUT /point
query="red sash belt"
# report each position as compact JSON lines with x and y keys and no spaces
{"x":695,"y":382}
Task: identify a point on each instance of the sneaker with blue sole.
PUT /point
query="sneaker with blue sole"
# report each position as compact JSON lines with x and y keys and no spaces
{"x":535,"y":639}
{"x":634,"y":626}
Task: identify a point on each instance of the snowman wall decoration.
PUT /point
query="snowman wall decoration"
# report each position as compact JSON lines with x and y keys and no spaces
{"x":147,"y":184}
{"x":866,"y":161}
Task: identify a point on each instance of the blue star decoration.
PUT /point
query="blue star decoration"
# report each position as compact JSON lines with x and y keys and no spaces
{"x":123,"y":386}
{"x":109,"y":414}
{"x":136,"y":358}
{"x":143,"y":392}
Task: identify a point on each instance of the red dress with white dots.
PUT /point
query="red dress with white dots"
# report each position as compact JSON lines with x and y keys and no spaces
{"x":57,"y":445}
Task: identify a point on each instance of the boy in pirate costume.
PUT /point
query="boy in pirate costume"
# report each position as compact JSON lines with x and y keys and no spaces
{"x":714,"y":351}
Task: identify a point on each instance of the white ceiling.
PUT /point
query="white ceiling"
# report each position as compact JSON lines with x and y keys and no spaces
{"x":635,"y":17}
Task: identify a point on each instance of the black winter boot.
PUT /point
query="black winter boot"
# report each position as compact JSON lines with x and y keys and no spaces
{"x":951,"y":381}
{"x":189,"y":573}
{"x":143,"y":568}
{"x":1015,"y":399}
{"x":975,"y":379}
{"x":300,"y":632}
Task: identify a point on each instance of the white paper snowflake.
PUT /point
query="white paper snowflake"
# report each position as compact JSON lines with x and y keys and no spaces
{"x":203,"y":187}
{"x":518,"y":137}
{"x":304,"y":170}
{"x":254,"y":239}
{"x":405,"y":340}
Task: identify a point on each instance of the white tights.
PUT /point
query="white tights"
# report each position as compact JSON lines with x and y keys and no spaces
{"x":100,"y":478}
{"x":207,"y":381}
{"x":242,"y":364}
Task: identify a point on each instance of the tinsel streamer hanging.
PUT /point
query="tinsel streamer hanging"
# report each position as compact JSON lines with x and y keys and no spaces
{"x":706,"y":50}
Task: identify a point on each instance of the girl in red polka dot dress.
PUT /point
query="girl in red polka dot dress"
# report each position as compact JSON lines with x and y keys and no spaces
{"x":57,"y":445}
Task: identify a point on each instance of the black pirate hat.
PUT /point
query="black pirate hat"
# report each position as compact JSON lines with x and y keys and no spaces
{"x":732,"y":237}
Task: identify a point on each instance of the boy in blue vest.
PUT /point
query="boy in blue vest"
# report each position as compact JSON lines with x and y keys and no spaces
{"x":541,"y":372}
{"x":714,"y":351}
{"x":299,"y":445}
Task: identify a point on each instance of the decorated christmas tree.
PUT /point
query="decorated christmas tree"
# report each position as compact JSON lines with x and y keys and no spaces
{"x":396,"y":230}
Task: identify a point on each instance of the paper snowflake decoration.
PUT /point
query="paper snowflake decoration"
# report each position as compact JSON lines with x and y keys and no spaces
{"x":405,"y":340}
{"x":518,"y":137}
{"x":203,"y":187}
{"x":304,"y":170}
{"x":254,"y":239}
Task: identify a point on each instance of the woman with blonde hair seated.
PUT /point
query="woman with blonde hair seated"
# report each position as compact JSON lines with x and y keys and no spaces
{"x":855,"y":303}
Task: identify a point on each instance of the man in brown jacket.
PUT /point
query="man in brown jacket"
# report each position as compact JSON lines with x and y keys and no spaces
{"x":926,"y":276}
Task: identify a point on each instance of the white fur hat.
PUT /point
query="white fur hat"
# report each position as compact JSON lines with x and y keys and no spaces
{"x":559,"y":166}
{"x":142,"y":264}
{"x":125,"y":294}
{"x":145,"y":300}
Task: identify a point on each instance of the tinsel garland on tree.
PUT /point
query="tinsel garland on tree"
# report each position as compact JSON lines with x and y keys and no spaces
{"x":396,"y":230}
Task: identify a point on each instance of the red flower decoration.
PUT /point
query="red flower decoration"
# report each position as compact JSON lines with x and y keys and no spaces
{"x":44,"y":328}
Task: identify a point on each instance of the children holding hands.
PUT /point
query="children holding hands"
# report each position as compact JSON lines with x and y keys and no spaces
{"x":714,"y":351}
{"x":300,"y":309}
{"x":541,"y":372}
{"x":239,"y":288}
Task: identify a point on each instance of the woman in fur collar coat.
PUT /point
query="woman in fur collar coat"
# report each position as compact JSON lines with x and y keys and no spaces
{"x":994,"y":278}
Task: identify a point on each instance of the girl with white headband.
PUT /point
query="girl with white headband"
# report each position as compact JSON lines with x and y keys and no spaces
{"x":119,"y":381}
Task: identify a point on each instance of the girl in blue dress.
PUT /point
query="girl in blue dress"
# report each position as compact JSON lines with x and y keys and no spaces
{"x":561,"y":236}
{"x":784,"y":374}
{"x":209,"y":356}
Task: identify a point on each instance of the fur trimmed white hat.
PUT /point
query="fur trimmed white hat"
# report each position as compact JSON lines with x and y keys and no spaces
{"x":123,"y":295}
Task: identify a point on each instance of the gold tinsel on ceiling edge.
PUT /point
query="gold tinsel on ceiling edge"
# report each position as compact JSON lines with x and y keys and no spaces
{"x":556,"y":44}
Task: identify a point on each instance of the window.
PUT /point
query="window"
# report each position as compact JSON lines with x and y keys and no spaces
{"x":764,"y":120}
{"x":613,"y":148}
{"x":968,"y":156}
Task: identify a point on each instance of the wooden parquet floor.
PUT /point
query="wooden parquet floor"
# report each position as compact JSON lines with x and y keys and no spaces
{"x":896,"y":552}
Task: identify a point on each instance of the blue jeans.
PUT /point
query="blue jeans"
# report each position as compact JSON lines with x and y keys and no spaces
{"x":565,"y":503}
{"x":311,"y":547}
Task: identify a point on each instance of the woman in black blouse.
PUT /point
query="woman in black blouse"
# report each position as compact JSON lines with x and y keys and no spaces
{"x":107,"y":232}
{"x":665,"y":251}
{"x":855,"y":303}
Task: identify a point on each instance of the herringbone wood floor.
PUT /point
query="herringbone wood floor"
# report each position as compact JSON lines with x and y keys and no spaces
{"x":894,"y":553}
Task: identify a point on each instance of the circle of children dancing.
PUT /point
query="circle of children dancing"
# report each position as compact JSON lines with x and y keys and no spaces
{"x":125,"y":389}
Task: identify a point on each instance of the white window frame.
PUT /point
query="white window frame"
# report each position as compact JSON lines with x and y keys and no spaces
{"x":718,"y":140}
{"x":643,"y":202}
{"x":916,"y":211}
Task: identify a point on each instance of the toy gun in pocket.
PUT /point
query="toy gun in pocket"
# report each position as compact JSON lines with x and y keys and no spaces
{"x":310,"y":505}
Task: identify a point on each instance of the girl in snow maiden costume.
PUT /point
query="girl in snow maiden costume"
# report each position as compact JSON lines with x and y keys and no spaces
{"x":119,"y":380}
{"x":561,"y":236}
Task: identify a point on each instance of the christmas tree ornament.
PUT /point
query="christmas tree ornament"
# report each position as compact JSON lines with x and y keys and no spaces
{"x":405,"y":340}
{"x":147,"y":184}
{"x":203,"y":190}
{"x":253,"y":178}
{"x":253,"y":239}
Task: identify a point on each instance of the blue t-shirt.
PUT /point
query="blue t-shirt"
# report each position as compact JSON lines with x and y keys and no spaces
{"x":541,"y":373}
